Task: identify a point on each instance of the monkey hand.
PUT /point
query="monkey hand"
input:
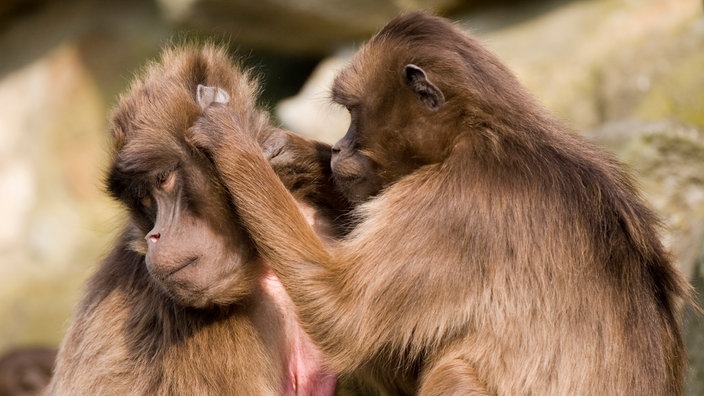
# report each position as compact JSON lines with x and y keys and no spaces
{"x":205,"y":133}
{"x":285,"y":149}
{"x":218,"y":130}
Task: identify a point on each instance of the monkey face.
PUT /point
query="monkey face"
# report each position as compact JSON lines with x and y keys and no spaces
{"x":355,"y":173}
{"x":193,"y":246}
{"x":393,"y":126}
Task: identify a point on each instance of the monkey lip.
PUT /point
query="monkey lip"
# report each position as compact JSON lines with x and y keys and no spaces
{"x":187,"y":263}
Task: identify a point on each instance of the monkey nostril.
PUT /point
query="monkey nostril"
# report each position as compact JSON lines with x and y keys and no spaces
{"x":153,"y":237}
{"x":335,"y":149}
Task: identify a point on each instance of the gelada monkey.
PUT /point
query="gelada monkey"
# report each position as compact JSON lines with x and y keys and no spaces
{"x":183,"y":304}
{"x":493,"y":251}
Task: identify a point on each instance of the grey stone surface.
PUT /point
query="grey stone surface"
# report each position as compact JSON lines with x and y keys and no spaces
{"x":302,"y":26}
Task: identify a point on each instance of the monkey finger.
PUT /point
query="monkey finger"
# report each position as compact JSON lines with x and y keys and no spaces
{"x":198,"y":137}
{"x":275,"y":146}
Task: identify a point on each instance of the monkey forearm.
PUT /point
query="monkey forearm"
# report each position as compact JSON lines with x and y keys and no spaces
{"x":268,"y":209}
{"x":289,"y":245}
{"x":317,"y":284}
{"x":273,"y":219}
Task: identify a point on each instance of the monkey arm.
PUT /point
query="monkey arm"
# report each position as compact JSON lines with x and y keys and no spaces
{"x":372,"y":292}
{"x":279,"y":230}
{"x":267,"y":208}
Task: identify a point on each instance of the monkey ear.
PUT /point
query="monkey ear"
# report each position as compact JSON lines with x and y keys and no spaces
{"x":205,"y":96}
{"x":426,"y":91}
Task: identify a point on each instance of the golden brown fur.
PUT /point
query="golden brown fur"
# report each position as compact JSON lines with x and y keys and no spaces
{"x":494,"y":251}
{"x":183,"y":304}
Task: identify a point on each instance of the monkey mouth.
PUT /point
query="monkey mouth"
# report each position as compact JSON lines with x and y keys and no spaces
{"x":187,"y":263}
{"x":347,"y":179}
{"x":356,"y":188}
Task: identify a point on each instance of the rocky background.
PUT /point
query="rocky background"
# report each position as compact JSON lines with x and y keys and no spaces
{"x":629,"y":74}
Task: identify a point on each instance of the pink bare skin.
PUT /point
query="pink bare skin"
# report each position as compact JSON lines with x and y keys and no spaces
{"x":305,"y":374}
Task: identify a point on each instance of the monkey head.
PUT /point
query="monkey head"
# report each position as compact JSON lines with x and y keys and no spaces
{"x":411,"y":99}
{"x":183,"y":220}
{"x":391,"y":125}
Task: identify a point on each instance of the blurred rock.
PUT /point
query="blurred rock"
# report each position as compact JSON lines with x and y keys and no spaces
{"x":659,"y":76}
{"x":51,"y":178}
{"x":302,"y":26}
{"x":597,"y":61}
{"x":667,"y":158}
{"x":311,"y":112}
{"x":26,"y":371}
{"x":11,"y":8}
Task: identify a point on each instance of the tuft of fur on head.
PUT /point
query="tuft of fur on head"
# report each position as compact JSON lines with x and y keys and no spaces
{"x":164,"y":94}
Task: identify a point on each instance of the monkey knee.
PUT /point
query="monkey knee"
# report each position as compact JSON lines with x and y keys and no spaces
{"x":452,"y":377}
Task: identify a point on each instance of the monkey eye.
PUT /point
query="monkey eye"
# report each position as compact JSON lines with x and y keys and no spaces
{"x":161,"y":178}
{"x":146,"y":201}
{"x":166,"y":180}
{"x":352,"y":107}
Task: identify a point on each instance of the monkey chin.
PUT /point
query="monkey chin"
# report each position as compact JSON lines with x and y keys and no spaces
{"x":185,"y":293}
{"x":356,"y":189}
{"x":187,"y":297}
{"x":355,"y":176}
{"x":200,"y":284}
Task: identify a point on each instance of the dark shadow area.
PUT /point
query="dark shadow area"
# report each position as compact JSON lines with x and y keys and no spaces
{"x":281,"y":76}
